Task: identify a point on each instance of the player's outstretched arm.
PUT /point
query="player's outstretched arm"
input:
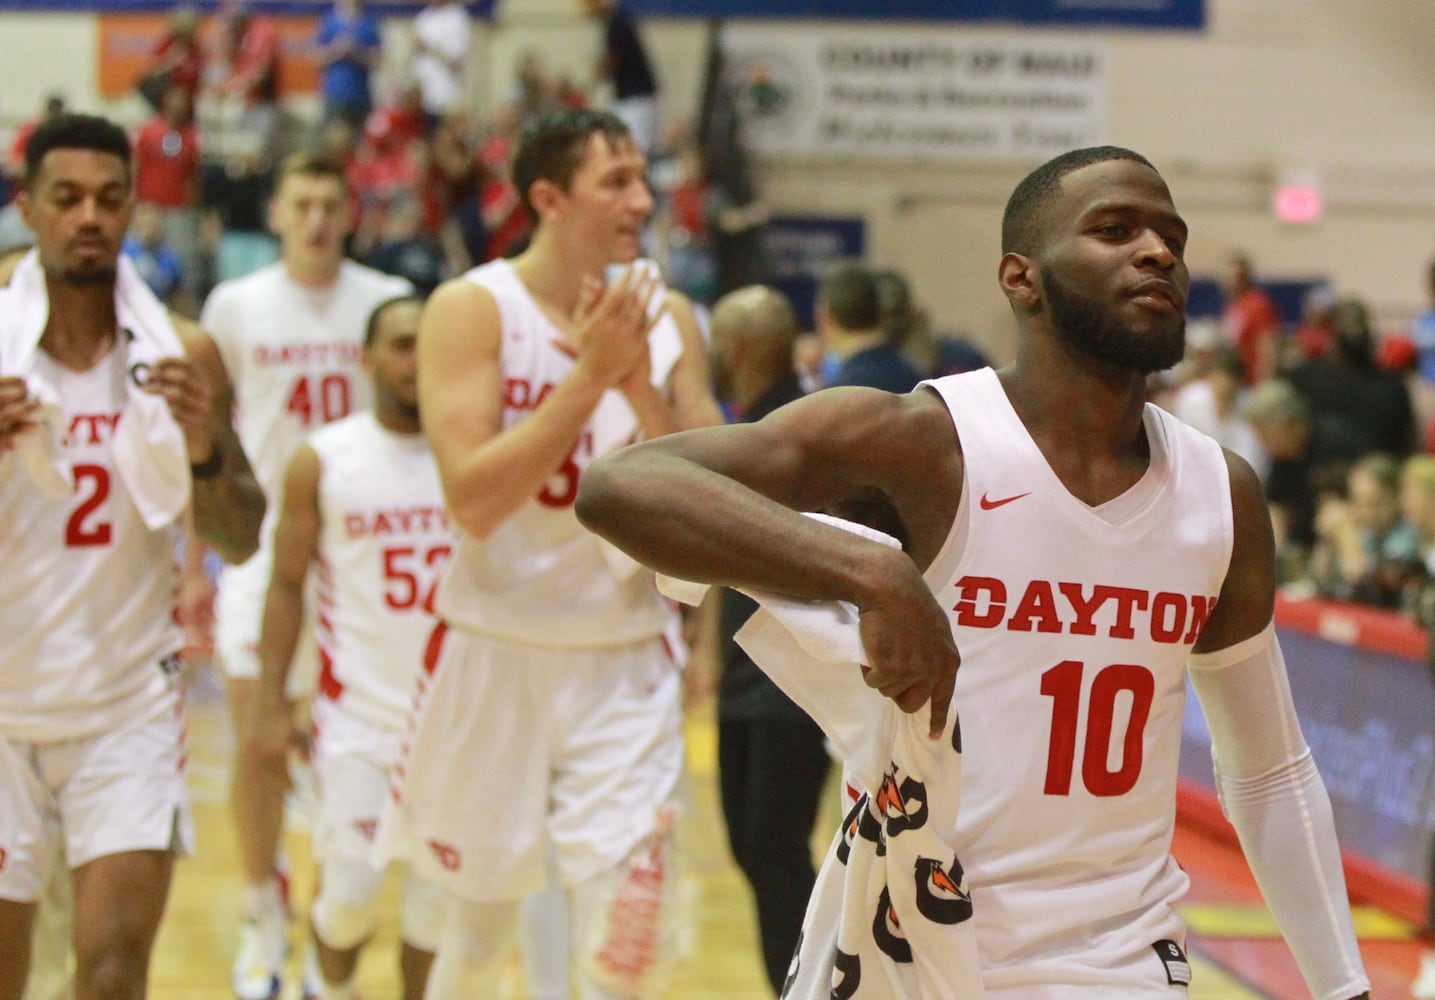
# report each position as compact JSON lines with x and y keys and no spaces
{"x":228,"y":503}
{"x":488,"y":471}
{"x":1270,"y":788}
{"x":269,"y":730}
{"x":720,"y":505}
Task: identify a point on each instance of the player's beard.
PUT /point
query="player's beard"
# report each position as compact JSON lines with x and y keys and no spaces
{"x":1082,"y":324}
{"x":89,"y":277}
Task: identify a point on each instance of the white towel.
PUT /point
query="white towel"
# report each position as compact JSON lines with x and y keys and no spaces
{"x":889,"y":916}
{"x":149,"y":449}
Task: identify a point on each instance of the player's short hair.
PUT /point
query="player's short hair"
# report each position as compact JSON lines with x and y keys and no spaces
{"x":1021,"y":222}
{"x":74,"y":131}
{"x":371,"y":329}
{"x":849,"y":292}
{"x":311,"y":163}
{"x":551,"y":147}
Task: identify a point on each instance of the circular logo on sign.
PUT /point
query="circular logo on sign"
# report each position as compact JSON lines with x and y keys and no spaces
{"x":769,"y":91}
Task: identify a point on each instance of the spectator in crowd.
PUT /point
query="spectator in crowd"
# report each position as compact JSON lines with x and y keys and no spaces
{"x":440,"y":61}
{"x":247,"y":72}
{"x":156,"y":261}
{"x":1302,"y":445}
{"x":624,"y":64}
{"x":348,"y":48}
{"x":53,"y":107}
{"x":1211,"y":404}
{"x":451,"y":207}
{"x":401,"y":118}
{"x":404,"y":249}
{"x":1314,"y":338}
{"x":234,"y":195}
{"x":167,"y":172}
{"x":910,"y":328}
{"x":1365,"y":550}
{"x":533,"y":93}
{"x":1417,"y":507}
{"x":177,"y":61}
{"x":1347,"y":385}
{"x":849,"y":318}
{"x":1253,"y":325}
{"x":1423,"y":331}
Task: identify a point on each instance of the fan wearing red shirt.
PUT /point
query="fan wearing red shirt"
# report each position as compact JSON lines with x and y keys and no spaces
{"x":167,"y":166}
{"x":1252,"y":323}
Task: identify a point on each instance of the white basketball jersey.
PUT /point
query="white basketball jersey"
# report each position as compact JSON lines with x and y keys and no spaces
{"x":384,"y":542}
{"x":541,"y":577}
{"x":87,"y":591}
{"x":1074,"y":624}
{"x":292,"y":354}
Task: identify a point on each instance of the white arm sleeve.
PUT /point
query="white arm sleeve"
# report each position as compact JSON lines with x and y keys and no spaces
{"x":1271,"y":792}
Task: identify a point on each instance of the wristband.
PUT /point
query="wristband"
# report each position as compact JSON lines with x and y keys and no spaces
{"x":210,"y":467}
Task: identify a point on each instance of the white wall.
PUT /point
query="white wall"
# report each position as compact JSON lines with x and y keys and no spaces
{"x":1340,"y":88}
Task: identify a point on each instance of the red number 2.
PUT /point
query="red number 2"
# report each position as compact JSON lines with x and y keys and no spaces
{"x":402,"y":566}
{"x":1062,"y":684}
{"x":78,"y":534}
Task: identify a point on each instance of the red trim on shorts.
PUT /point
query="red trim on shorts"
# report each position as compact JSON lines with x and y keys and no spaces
{"x":434,"y":648}
{"x":329,"y":684}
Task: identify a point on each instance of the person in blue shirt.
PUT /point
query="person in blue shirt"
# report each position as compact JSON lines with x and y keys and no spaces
{"x":849,"y":319}
{"x":348,"y":49}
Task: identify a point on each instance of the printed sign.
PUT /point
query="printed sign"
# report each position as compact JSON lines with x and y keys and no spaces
{"x":903,"y":94}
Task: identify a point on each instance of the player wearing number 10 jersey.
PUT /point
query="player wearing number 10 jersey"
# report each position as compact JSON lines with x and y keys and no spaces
{"x":290,"y":336}
{"x":1073,"y":557}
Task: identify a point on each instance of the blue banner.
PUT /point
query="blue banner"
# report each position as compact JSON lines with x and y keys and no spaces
{"x":802,"y":247}
{"x":278,"y":8}
{"x":1184,"y":15}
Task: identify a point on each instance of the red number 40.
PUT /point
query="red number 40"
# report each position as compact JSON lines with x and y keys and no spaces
{"x":1062,"y":684}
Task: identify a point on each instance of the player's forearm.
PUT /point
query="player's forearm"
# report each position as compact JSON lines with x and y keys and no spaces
{"x":655,"y":415}
{"x":489,"y":484}
{"x":684,"y":520}
{"x":278,"y":639}
{"x":229,"y":508}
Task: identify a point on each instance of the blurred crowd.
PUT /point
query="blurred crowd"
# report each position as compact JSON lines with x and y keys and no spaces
{"x":428,"y":176}
{"x":1338,"y":420}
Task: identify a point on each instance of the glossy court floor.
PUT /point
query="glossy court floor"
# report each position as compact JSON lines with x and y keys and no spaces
{"x":1236,"y":952}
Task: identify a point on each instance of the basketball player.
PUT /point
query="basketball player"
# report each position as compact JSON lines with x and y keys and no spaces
{"x":1074,"y":549}
{"x":553,"y":710}
{"x":290,"y":336}
{"x":91,"y":714}
{"x":362,"y":504}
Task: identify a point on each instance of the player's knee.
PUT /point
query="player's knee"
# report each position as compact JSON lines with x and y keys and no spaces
{"x":346,"y":911}
{"x":116,"y":968}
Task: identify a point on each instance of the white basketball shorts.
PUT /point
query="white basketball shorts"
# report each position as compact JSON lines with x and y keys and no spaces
{"x":74,"y":801}
{"x":512,"y":746}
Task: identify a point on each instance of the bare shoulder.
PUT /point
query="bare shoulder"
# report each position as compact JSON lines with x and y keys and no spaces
{"x":1247,"y":599}
{"x":456,"y":308}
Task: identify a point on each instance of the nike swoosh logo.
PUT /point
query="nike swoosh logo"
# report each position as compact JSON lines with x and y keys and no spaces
{"x":988,"y":504}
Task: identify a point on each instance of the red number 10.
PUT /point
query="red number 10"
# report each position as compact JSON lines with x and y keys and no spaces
{"x":1062,"y":684}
